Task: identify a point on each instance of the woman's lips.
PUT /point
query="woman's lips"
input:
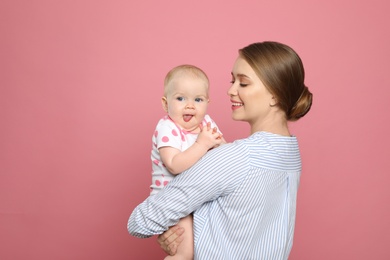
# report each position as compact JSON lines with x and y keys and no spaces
{"x":236,"y":105}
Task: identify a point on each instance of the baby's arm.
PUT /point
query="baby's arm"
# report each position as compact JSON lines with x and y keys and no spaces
{"x":176,"y":161}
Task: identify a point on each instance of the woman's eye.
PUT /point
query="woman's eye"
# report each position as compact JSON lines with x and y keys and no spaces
{"x":241,"y":84}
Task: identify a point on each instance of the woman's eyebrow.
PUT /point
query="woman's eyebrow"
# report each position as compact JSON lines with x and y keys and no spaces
{"x":241,"y":75}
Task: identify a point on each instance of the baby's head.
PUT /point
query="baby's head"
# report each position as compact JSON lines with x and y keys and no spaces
{"x":184,"y":71}
{"x":186,"y":96}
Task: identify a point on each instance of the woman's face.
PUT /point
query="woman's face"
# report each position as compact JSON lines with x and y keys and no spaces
{"x":251,"y":101}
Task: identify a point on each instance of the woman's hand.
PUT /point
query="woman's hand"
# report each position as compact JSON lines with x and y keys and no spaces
{"x":171,"y":239}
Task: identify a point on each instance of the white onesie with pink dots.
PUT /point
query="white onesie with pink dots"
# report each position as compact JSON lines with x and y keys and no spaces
{"x":168,"y":133}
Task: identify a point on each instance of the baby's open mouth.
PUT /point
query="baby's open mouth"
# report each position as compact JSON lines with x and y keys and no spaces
{"x":187,"y":118}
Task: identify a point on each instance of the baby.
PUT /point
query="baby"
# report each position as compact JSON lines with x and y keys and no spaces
{"x":183,"y":136}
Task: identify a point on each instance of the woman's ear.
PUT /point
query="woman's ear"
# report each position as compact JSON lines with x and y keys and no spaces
{"x":273,"y":102}
{"x":164,"y":103}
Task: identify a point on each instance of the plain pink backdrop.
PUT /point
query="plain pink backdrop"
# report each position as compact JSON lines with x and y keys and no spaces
{"x":80,"y":88}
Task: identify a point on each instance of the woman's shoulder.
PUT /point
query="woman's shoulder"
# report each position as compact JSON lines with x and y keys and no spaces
{"x":279,"y":150}
{"x":269,"y":143}
{"x":271,"y":137}
{"x":263,"y":141}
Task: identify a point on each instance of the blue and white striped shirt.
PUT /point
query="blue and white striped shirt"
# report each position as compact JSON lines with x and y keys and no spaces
{"x":243,"y":195}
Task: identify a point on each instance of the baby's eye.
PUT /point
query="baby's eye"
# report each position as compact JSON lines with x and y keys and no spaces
{"x":198,"y":99}
{"x":180,"y":98}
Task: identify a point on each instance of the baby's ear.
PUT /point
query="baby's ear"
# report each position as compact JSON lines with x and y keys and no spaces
{"x":164,"y":103}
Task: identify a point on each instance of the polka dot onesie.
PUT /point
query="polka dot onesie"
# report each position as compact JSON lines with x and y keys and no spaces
{"x":168,"y":133}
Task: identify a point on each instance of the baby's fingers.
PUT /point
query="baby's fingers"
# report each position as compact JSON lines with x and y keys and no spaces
{"x":208,"y":126}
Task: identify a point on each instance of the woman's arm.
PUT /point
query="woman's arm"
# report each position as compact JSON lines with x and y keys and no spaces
{"x":208,"y":179}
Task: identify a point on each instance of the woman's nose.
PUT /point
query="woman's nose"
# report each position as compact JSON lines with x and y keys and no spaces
{"x":232,"y":91}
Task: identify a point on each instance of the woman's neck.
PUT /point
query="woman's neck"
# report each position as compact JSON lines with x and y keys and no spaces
{"x":275,"y":125}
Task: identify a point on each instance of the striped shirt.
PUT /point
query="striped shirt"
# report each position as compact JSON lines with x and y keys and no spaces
{"x":243,"y":195}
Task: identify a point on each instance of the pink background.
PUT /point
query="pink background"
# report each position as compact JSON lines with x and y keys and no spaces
{"x":80,"y":92}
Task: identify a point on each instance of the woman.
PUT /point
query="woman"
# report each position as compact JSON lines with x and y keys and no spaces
{"x":243,"y":194}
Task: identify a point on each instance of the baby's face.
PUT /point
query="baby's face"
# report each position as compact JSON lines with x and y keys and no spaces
{"x":187,"y":101}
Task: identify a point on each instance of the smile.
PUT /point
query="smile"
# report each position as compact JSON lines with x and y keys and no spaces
{"x":236,"y":105}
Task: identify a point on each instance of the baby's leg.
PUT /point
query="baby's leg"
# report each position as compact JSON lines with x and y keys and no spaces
{"x":185,"y":251}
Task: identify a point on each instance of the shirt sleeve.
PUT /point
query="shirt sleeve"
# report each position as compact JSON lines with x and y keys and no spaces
{"x":217,"y":174}
{"x":167,"y":134}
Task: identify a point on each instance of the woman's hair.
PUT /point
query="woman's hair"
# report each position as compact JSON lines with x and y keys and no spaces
{"x":281,"y":70}
{"x":186,"y":70}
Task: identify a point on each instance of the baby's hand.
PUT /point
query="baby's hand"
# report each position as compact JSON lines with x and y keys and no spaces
{"x":209,"y":137}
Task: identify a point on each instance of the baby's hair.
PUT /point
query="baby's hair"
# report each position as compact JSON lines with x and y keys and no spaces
{"x":281,"y":70}
{"x":187,"y":70}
